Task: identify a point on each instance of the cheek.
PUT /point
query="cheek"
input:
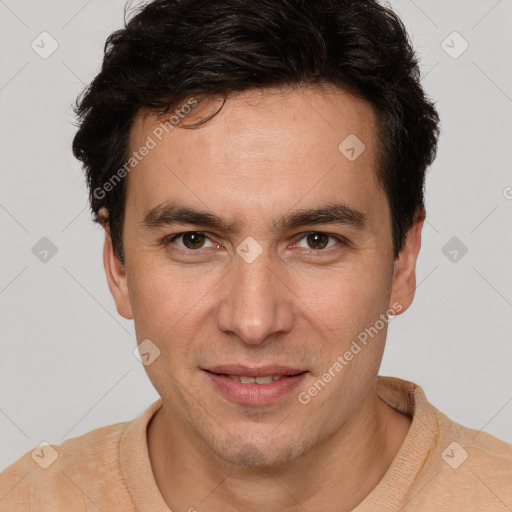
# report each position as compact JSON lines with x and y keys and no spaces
{"x":156,"y":299}
{"x":165,"y":312}
{"x":345,"y":301}
{"x":346,"y":307}
{"x":169,"y":303}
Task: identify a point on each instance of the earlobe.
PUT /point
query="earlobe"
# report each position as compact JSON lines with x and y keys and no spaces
{"x":116,"y":277}
{"x":404,"y":278}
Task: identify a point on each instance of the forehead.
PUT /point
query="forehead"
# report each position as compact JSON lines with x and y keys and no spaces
{"x":264,"y":146}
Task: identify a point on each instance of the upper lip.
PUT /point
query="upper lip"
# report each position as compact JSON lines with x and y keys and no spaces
{"x":261,"y":371}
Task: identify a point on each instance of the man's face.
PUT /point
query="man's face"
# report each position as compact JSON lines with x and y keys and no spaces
{"x":290,"y":300}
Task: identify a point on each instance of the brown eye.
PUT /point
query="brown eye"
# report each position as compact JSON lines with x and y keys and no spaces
{"x":188,"y":243}
{"x":318,"y":240}
{"x":193,"y":240}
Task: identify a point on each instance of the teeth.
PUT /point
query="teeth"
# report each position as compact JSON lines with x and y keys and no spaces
{"x":264,"y":380}
{"x":268,"y":379}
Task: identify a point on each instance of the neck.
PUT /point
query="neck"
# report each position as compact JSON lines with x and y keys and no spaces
{"x":335,"y":475}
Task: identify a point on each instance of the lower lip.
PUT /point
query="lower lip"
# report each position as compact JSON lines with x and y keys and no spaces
{"x":255,"y":394}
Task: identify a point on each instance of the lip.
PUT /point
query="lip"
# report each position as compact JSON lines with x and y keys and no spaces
{"x":254,"y":394}
{"x":261,"y":371}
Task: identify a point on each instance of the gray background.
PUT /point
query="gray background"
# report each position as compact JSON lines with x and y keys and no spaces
{"x":66,"y":361}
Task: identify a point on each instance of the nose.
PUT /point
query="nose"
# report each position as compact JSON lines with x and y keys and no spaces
{"x":256,"y":304}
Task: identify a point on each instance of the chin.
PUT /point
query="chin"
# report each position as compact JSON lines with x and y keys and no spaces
{"x":259,"y":453}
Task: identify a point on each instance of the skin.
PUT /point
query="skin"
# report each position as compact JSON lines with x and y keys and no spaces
{"x":265,"y":154}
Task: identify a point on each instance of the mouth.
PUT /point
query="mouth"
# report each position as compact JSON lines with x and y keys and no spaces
{"x":259,"y":379}
{"x":254,"y":386}
{"x":267,"y":379}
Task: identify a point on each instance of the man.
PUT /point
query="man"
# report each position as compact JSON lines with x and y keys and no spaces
{"x":258,"y":168}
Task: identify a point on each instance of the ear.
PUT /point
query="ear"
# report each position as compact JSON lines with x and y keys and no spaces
{"x":404,"y":277}
{"x":116,"y":276}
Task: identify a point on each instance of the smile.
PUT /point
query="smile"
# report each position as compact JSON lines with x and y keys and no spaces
{"x":251,"y":380}
{"x":254,"y":386}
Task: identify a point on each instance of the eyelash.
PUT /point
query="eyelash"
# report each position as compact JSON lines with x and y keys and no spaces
{"x":170,"y":239}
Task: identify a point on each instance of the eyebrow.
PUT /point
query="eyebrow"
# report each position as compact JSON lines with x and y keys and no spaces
{"x":175,"y":212}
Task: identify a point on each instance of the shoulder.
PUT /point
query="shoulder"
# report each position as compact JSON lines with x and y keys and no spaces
{"x":441,"y":465}
{"x":469,"y":467}
{"x":67,"y":476}
{"x":474,"y":446}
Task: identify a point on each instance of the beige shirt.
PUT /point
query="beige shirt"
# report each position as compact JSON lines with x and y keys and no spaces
{"x":441,"y":466}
